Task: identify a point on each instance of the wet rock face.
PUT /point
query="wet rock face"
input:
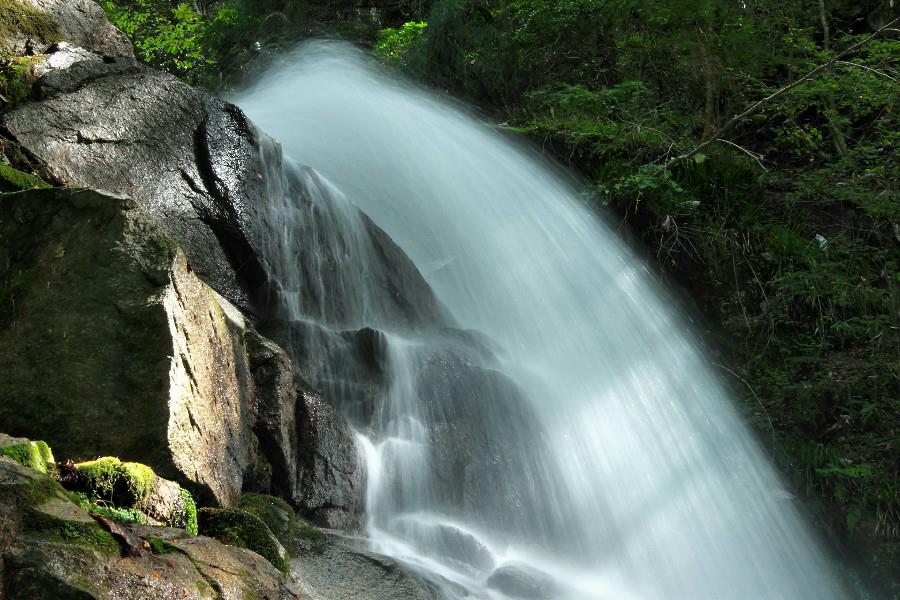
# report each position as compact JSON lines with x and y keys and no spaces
{"x":115,"y":347}
{"x":344,"y":569}
{"x":192,"y":161}
{"x":330,"y":476}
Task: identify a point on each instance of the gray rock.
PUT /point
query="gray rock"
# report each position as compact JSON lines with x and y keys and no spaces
{"x":79,"y":22}
{"x":275,"y":412}
{"x":212,"y":181}
{"x":343,"y":569}
{"x":113,"y":346}
{"x":188,"y":159}
{"x":61,"y":56}
{"x":330,"y":474}
{"x":105,"y":327}
{"x":525,"y":583}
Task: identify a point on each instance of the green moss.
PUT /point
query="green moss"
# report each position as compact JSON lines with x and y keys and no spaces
{"x":241,"y":528}
{"x":295,"y":534}
{"x":34,"y":455}
{"x":274,"y":512}
{"x":13,"y":180}
{"x":160,"y":546}
{"x":124,"y":491}
{"x":310,"y":532}
{"x":89,"y":535}
{"x":17,"y":74}
{"x":124,"y":484}
{"x":18,"y":18}
{"x":186,"y":515}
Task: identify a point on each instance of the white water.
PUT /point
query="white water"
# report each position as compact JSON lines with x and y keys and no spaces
{"x":628,"y":474}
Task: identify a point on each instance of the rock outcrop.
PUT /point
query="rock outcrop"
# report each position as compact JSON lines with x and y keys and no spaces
{"x":113,"y":346}
{"x":52,"y":548}
{"x":30,"y":26}
{"x":343,"y":569}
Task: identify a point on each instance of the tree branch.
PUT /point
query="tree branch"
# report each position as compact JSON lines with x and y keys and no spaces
{"x":754,"y":108}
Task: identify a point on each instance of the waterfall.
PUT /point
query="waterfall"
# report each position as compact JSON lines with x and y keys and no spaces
{"x":549,"y":428}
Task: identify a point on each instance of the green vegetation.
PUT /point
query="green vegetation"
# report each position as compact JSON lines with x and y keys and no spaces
{"x":786,"y":227}
{"x":211,"y":43}
{"x":13,"y":180}
{"x":159,"y":546}
{"x":110,"y":479}
{"x":34,"y":455}
{"x":128,"y":492}
{"x":16,"y":76}
{"x":241,"y":528}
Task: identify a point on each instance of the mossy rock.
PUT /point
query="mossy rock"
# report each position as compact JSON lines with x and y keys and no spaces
{"x":128,"y":491}
{"x":18,"y":18}
{"x":34,"y":455}
{"x":241,"y":528}
{"x":294,"y":533}
{"x":17,"y":75}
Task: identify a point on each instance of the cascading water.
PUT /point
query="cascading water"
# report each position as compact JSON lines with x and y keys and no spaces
{"x":556,"y":433}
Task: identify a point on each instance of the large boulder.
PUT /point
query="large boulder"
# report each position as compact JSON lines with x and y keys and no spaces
{"x":221,"y":189}
{"x":29,"y":26}
{"x":52,"y":548}
{"x":190,"y":160}
{"x":113,"y":346}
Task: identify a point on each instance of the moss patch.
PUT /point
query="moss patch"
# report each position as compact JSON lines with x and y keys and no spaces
{"x":34,"y":455}
{"x":13,"y":180}
{"x":123,"y":484}
{"x":186,"y":516}
{"x":88,"y":535}
{"x":124,"y":491}
{"x":17,"y":18}
{"x":295,"y":534}
{"x":160,"y":546}
{"x":241,"y":528}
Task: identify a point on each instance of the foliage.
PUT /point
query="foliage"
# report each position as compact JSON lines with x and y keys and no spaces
{"x":213,"y":43}
{"x":105,"y":509}
{"x":394,"y":44}
{"x":787,"y":232}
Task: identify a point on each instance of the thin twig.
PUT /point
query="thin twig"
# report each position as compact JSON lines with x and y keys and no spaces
{"x":876,"y":71}
{"x":754,"y":108}
{"x":752,"y":155}
{"x":761,"y":405}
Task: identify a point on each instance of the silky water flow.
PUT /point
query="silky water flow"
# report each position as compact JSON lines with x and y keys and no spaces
{"x":557,"y":431}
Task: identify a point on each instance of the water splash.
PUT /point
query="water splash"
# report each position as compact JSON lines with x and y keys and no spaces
{"x":580,"y":446}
